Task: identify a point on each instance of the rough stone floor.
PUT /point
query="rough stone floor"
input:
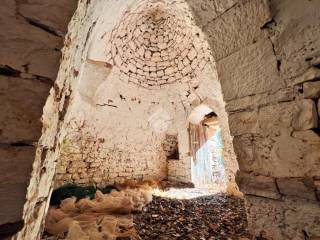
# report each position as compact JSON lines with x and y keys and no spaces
{"x":208,"y":217}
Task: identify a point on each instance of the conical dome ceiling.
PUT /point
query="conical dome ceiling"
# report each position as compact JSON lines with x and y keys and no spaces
{"x":155,"y":44}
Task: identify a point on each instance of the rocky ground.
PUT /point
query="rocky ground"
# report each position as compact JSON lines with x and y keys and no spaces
{"x":209,"y":217}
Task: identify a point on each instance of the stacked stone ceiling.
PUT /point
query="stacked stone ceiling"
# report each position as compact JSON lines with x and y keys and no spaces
{"x":155,"y":44}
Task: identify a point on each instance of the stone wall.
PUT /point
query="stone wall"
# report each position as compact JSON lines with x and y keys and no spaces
{"x":31,"y":38}
{"x":145,"y":69}
{"x":267,"y":57}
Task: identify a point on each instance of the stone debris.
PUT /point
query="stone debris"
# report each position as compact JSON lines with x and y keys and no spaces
{"x":210,"y":217}
{"x":130,"y":214}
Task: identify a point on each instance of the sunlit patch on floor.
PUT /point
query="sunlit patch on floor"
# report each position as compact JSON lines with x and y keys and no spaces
{"x":189,"y":193}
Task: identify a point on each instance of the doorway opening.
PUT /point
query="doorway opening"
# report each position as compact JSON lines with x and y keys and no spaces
{"x":208,"y":168}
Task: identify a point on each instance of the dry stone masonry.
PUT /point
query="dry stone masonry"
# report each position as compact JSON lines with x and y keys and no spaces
{"x":153,"y":45}
{"x":118,"y":130}
{"x":267,"y":61}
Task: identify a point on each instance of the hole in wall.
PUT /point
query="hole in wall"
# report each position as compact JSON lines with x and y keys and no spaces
{"x":8,"y":71}
{"x":170,"y":146}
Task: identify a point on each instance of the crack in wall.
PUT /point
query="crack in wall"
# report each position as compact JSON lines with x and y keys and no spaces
{"x":41,"y":26}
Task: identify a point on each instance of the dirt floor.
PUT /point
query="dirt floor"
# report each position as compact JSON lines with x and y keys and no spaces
{"x":204,"y":218}
{"x":175,"y":213}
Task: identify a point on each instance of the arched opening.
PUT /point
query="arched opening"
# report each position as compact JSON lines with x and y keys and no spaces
{"x":145,"y":75}
{"x":207,"y":151}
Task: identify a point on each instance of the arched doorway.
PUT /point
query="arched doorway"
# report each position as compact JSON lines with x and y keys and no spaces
{"x":207,"y":153}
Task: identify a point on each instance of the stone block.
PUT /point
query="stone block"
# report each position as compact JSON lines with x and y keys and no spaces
{"x":306,"y":116}
{"x":279,"y":155}
{"x":311,"y":89}
{"x":238,"y":27}
{"x":288,"y":219}
{"x":257,"y":185}
{"x":29,"y":49}
{"x":265,"y":217}
{"x":244,"y":149}
{"x":22,"y":103}
{"x":300,"y":115}
{"x":260,"y":100}
{"x":15,"y":168}
{"x":243,"y":123}
{"x":310,"y":74}
{"x":297,"y":187}
{"x":250,"y":71}
{"x":296,"y":38}
{"x":307,"y":136}
{"x":301,"y":216}
{"x":54,"y":16}
{"x":205,"y":11}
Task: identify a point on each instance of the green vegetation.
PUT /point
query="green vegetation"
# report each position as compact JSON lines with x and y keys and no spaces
{"x":72,"y":190}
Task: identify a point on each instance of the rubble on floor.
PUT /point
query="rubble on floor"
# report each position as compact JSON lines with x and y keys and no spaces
{"x":129,"y":213}
{"x":210,"y":217}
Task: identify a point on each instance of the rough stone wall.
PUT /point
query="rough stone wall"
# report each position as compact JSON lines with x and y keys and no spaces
{"x":264,"y":68}
{"x":267,"y":57}
{"x":31,"y":38}
{"x":146,"y":65}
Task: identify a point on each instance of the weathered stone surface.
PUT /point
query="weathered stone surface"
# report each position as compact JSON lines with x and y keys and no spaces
{"x":315,"y":61}
{"x":307,"y":136}
{"x":296,"y":39}
{"x":206,"y":11}
{"x":250,"y":71}
{"x":8,"y":8}
{"x":257,"y":185}
{"x":265,"y":217}
{"x":243,"y":122}
{"x":269,"y":138}
{"x":311,"y":89}
{"x":310,"y":74}
{"x":238,"y":27}
{"x":297,"y":187}
{"x":306,"y":116}
{"x":260,"y":100}
{"x":301,"y":215}
{"x":55,"y":19}
{"x":22,"y":102}
{"x":317,"y":185}
{"x":29,"y":62}
{"x":287,"y":219}
{"x":318,"y":107}
{"x":280,"y":155}
{"x":29,"y":48}
{"x":15,"y":168}
{"x":299,"y":115}
{"x":244,"y":149}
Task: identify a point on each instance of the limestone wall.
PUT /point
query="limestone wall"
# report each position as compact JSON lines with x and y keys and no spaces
{"x":31,"y":37}
{"x":146,"y":67}
{"x":267,"y":57}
